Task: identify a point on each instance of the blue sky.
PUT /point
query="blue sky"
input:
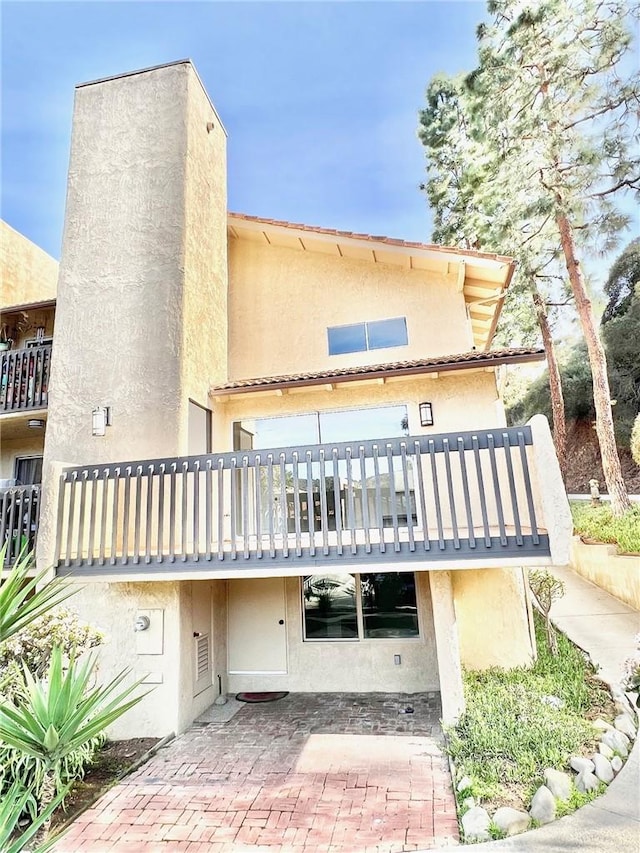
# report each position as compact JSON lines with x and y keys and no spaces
{"x":320,"y":100}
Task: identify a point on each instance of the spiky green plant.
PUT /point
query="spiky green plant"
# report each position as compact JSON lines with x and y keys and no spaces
{"x":12,"y":805}
{"x":24,"y":598}
{"x":60,"y":715}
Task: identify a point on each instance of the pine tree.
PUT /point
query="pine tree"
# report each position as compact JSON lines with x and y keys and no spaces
{"x":460,"y":166}
{"x":560,"y":115}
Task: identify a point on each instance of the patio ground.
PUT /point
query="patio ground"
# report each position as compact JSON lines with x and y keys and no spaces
{"x":310,"y":773}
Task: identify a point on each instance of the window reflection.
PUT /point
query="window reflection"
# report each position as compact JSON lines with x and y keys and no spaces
{"x":389,"y":605}
{"x":330,"y":611}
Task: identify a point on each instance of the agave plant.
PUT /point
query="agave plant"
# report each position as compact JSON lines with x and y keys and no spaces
{"x":23,"y":598}
{"x":12,"y":804}
{"x":60,"y":715}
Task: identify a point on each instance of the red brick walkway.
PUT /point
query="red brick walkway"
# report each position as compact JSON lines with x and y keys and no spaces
{"x":317,"y":773}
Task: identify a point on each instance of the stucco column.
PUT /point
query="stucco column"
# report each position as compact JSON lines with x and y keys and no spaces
{"x":550,"y":492}
{"x":447,"y":647}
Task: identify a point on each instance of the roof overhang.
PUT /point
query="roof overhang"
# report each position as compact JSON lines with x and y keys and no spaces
{"x":28,"y":306}
{"x":482,"y":277}
{"x":380,"y":372}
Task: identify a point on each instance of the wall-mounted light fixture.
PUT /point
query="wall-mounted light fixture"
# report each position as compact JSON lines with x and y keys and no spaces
{"x":100,"y":420}
{"x":426,"y":414}
{"x":141,"y":623}
{"x":35,"y":423}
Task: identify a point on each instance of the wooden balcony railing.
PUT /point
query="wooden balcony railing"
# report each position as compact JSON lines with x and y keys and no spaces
{"x":19,"y":513}
{"x":24,"y":378}
{"x":464,"y":496}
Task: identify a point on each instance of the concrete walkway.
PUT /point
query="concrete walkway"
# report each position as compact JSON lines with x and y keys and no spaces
{"x":605,"y":628}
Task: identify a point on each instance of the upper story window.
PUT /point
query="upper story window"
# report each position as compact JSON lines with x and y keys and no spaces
{"x":359,"y":337}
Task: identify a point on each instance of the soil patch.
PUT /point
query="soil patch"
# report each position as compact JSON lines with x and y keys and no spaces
{"x":110,"y":763}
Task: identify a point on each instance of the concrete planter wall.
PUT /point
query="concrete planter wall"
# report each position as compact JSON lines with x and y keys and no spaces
{"x":617,"y":574}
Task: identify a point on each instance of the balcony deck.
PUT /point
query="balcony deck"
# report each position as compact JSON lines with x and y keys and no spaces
{"x":24,"y":379}
{"x":19,"y":516}
{"x":463,"y":499}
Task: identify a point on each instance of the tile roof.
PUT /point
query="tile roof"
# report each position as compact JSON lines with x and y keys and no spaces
{"x":391,"y":241}
{"x":458,"y":361}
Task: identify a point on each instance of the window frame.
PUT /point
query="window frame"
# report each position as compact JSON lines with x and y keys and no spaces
{"x":365,"y":324}
{"x":361,"y":638}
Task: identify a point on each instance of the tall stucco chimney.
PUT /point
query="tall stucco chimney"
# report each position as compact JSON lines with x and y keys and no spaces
{"x":141,"y":318}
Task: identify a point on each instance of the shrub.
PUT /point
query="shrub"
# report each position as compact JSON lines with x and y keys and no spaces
{"x":599,"y":523}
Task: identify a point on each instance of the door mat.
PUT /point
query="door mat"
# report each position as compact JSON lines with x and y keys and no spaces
{"x":261,"y":697}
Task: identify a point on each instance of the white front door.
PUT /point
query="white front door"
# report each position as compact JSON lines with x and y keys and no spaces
{"x":257,"y":632}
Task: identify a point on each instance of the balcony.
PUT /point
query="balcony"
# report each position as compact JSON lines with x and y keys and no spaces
{"x":19,"y":514}
{"x":24,"y":378}
{"x":448,"y":500}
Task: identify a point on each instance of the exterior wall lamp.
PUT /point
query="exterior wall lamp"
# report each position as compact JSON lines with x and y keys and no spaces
{"x":426,"y":414}
{"x":100,"y":420}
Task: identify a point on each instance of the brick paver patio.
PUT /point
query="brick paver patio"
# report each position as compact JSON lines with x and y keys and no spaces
{"x":311,"y":773}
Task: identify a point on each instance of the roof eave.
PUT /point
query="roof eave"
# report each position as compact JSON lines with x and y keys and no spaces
{"x":480,"y":363}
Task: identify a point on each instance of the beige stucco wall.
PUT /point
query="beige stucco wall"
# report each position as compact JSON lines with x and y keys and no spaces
{"x":281,"y":302}
{"x":352,"y":666}
{"x":460,"y":401}
{"x":492,"y":618}
{"x":204,"y":295}
{"x":10,"y":449}
{"x":113,"y":608}
{"x":29,"y":274}
{"x":618,"y":574}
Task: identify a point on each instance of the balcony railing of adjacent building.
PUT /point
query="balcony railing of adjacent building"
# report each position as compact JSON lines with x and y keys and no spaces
{"x":463,"y":496}
{"x":19,"y":513}
{"x":24,"y":378}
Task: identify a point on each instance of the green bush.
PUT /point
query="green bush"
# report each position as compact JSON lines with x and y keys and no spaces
{"x":514,"y":726}
{"x":599,"y":523}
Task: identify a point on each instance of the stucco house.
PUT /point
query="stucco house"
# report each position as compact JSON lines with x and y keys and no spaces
{"x":273,"y":456}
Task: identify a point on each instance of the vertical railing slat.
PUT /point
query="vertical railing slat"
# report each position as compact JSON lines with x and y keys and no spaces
{"x":92,"y":516}
{"x":528,"y":491}
{"x":311,"y":506}
{"x":337,"y":496}
{"x":421,"y":495}
{"x":258,"y":505}
{"x":392,"y":495}
{"x":378,"y":491}
{"x":324,"y":510}
{"x":436,"y":492}
{"x":481,"y":491}
{"x":296,"y":504}
{"x":271,"y":505}
{"x":351,"y":502}
{"x":496,"y":487}
{"x":512,"y":487}
{"x":196,"y":511}
{"x":365,"y":501}
{"x":467,"y":498}
{"x":407,"y":495}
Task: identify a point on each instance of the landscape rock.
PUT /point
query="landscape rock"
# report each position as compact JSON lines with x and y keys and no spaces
{"x":552,"y":701}
{"x":624,"y":724}
{"x":543,"y":805}
{"x":468,"y":803}
{"x":605,"y":750}
{"x":602,"y":768}
{"x":586,"y":781}
{"x":618,"y":741}
{"x":558,"y":783}
{"x":579,"y":763}
{"x":602,"y":725}
{"x":616,"y":764}
{"x":511,"y":821}
{"x":465,"y":782}
{"x":475,"y":824}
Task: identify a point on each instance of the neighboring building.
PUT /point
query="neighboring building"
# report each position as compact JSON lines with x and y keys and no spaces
{"x":277,"y":451}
